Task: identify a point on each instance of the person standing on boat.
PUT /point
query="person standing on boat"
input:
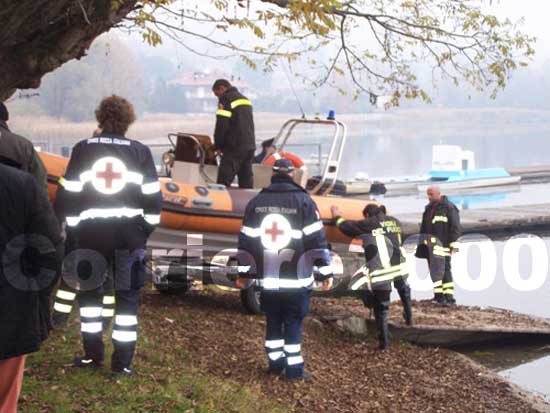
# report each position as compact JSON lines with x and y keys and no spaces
{"x":385,"y":263}
{"x":268,"y":149}
{"x":110,"y":199}
{"x":282,"y":240}
{"x":234,"y":135}
{"x":440,"y":231}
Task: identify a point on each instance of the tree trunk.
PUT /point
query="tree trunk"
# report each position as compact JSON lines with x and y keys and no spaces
{"x":38,"y":36}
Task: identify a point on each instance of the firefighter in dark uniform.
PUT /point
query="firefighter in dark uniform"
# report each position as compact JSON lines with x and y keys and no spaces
{"x":394,"y":231}
{"x":385,"y":263}
{"x":440,"y":231}
{"x":282,"y":242}
{"x":234,"y":135}
{"x":110,"y":200}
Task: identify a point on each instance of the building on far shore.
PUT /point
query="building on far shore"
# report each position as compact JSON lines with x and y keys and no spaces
{"x":197,"y":88}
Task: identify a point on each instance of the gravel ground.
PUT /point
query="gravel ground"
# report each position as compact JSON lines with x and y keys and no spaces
{"x":427,"y":313}
{"x":349,"y":374}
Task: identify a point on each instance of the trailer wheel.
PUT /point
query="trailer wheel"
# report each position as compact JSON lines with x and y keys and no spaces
{"x":175,"y":282}
{"x":250,"y":299}
{"x":171,"y":289}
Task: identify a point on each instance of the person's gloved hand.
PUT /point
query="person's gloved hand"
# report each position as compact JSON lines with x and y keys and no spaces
{"x":327,"y":284}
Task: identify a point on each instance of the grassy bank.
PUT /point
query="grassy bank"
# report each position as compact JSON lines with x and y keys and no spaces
{"x":166,"y":381}
{"x":200,"y":353}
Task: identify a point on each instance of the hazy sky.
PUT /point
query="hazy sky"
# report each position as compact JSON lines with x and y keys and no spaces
{"x":535,"y":12}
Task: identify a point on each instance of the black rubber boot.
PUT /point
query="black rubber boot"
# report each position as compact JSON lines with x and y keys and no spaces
{"x":87,"y":363}
{"x":59,"y":320}
{"x":381,"y":317}
{"x":439,"y":298}
{"x":449,"y":299}
{"x":405,"y":295}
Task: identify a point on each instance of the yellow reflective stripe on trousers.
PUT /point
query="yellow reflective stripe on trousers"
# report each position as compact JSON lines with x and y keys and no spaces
{"x":383,"y":278}
{"x":65,"y":295}
{"x":108,"y":299}
{"x":448,"y":288}
{"x":224,"y":113}
{"x":107,"y":313}
{"x":395,"y":268}
{"x":240,"y":102}
{"x":385,"y":275}
{"x":62,"y":308}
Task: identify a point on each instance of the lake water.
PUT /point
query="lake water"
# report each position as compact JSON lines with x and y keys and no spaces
{"x":487,"y":274}
{"x":398,"y":144}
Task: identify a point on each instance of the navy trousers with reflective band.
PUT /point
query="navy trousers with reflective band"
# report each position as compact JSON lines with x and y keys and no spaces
{"x":66,"y":296}
{"x":285,"y":312}
{"x":129,"y":276}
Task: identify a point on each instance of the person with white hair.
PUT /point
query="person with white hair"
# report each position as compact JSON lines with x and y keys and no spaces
{"x":440,"y":231}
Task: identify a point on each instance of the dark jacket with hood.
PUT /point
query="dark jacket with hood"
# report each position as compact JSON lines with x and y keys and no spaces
{"x":19,"y":152}
{"x":31,"y":250}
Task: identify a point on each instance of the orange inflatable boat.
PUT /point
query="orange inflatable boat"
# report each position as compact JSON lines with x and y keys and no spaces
{"x":195,"y":207}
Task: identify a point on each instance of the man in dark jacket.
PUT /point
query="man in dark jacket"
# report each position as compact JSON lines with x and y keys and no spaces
{"x":282,"y":240}
{"x":110,"y":199}
{"x":234,"y":135}
{"x":31,"y":251}
{"x":385,"y":263}
{"x":19,"y":152}
{"x":440,"y":231}
{"x":268,"y":149}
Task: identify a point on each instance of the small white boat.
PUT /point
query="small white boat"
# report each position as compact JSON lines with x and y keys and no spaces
{"x":454,"y":168}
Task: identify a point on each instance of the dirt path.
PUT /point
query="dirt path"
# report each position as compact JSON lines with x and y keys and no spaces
{"x":349,"y":375}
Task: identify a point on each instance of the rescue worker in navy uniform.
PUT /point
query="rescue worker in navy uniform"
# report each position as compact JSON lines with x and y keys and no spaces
{"x":65,"y":296}
{"x":282,"y":240}
{"x":234,"y":135}
{"x":110,"y":200}
{"x":385,"y":263}
{"x":440,"y":231}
